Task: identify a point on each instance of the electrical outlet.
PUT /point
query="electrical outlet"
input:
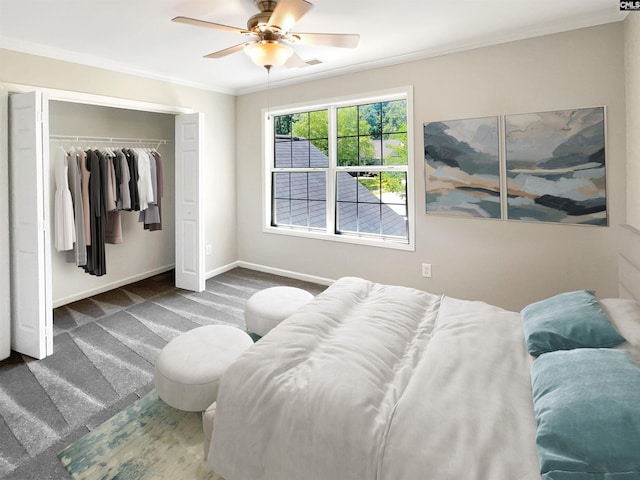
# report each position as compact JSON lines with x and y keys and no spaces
{"x":209,"y":249}
{"x":426,"y":270}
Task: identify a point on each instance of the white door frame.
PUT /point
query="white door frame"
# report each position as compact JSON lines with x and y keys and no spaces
{"x":5,"y":278}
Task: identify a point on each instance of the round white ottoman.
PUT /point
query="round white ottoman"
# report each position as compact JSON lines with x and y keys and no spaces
{"x":189,"y":368}
{"x":270,"y":306}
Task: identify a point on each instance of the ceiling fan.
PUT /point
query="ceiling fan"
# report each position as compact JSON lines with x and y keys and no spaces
{"x":269,"y":34}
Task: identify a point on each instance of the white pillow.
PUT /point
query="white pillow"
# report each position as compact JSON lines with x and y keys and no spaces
{"x":624,"y":315}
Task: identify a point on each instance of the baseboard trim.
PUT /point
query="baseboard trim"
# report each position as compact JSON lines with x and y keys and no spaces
{"x":222,"y":269}
{"x":110,"y":286}
{"x":210,"y":274}
{"x":286,"y":273}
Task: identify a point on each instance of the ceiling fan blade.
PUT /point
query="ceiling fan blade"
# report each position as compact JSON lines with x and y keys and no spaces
{"x":226,"y":51}
{"x":342,"y":40}
{"x":202,"y":23}
{"x":288,"y":12}
{"x":295,"y":61}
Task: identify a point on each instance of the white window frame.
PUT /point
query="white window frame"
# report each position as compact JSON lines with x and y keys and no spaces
{"x":268,"y":114}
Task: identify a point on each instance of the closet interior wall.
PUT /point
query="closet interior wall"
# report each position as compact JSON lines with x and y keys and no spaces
{"x":142,"y":253}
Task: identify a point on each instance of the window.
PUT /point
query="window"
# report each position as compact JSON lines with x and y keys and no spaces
{"x":342,"y":170}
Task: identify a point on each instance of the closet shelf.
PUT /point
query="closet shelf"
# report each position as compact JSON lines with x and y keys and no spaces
{"x":81,"y":138}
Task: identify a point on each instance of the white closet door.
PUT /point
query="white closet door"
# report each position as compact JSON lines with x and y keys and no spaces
{"x":190,"y":273}
{"x":5,"y":313}
{"x":31,"y":312}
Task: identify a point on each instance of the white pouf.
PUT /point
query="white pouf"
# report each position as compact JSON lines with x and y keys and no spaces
{"x":270,"y":306}
{"x":189,"y":368}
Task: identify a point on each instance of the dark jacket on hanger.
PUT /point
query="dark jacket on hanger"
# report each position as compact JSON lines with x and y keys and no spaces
{"x":96,"y":258}
{"x":132,"y":161}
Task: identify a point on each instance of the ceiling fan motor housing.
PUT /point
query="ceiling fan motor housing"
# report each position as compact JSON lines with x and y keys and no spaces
{"x":266,"y":8}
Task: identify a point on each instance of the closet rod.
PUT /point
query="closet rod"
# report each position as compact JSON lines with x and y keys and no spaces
{"x":78,"y":138}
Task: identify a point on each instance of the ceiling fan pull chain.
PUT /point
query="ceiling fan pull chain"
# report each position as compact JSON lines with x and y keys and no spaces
{"x":268,"y":93}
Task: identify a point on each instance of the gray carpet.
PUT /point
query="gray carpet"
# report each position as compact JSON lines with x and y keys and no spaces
{"x":104,"y":350}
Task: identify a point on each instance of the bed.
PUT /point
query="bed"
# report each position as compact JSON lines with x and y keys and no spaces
{"x":381,"y":382}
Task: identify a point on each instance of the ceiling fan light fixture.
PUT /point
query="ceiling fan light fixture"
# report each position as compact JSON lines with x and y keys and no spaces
{"x":268,"y":53}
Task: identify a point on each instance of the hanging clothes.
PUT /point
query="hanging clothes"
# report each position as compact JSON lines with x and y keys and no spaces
{"x":156,"y":223}
{"x":65,"y":232}
{"x":123,"y":201}
{"x":79,"y":253}
{"x":151,"y":217}
{"x":96,"y":252}
{"x":111,"y":195}
{"x":145,"y":187}
{"x":132,"y":162}
{"x":113,"y":228}
{"x":85,"y":176}
{"x":93,"y":187}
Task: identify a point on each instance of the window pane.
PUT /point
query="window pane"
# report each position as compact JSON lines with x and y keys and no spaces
{"x":320,"y":156}
{"x":282,"y":125}
{"x":371,"y":181}
{"x":281,"y":185}
{"x":282,"y":153}
{"x":347,"y":217}
{"x":317,"y":186}
{"x":368,"y":154}
{"x":394,"y":187}
{"x":348,"y":151}
{"x":300,"y":199}
{"x":369,"y":218}
{"x":300,"y":154}
{"x":299,"y":186}
{"x":319,"y":124}
{"x":372,"y":203}
{"x":394,"y":220}
{"x":370,"y":118}
{"x":318,"y":214}
{"x":347,"y":187}
{"x":300,"y":125}
{"x":282,"y":214}
{"x":347,"y":121}
{"x":394,"y":116}
{"x":299,"y":213}
{"x":395,"y":148}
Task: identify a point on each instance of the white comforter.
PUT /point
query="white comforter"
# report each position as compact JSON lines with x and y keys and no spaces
{"x":378,"y":382}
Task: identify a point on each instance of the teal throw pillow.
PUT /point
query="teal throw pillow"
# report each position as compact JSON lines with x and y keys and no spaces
{"x":565,"y":321}
{"x":587,"y":409}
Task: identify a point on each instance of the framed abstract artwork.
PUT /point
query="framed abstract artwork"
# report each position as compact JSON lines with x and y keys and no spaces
{"x":555,"y":166}
{"x":462,"y":167}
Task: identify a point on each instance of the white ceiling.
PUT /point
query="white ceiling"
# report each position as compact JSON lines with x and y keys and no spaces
{"x":137,"y":36}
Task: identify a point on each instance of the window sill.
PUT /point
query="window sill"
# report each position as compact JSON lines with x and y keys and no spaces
{"x":370,"y":242}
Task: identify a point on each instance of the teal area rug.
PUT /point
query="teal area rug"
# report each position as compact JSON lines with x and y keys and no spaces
{"x":147,"y":440}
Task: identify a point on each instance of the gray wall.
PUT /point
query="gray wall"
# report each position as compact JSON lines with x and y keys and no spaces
{"x":507,"y":263}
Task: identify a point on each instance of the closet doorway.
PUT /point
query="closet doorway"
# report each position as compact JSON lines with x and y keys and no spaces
{"x":32,"y":187}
